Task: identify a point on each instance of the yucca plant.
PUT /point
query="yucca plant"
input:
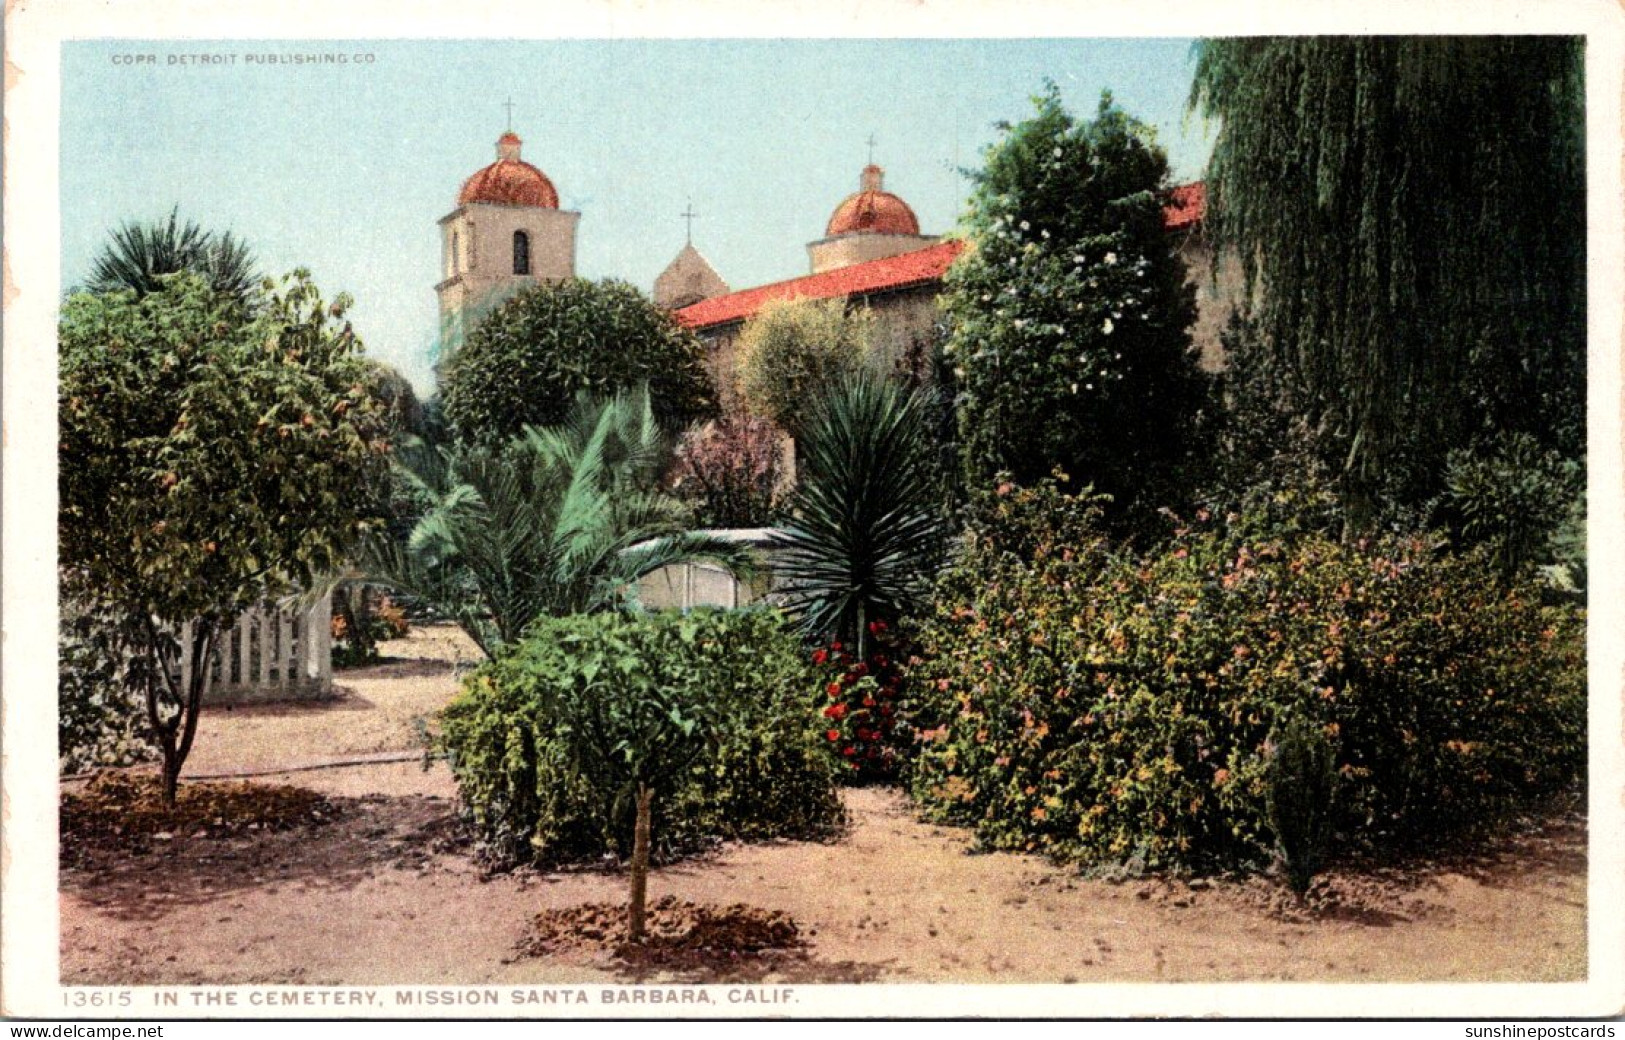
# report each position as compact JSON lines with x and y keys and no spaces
{"x":866,"y":535}
{"x":1300,"y":782}
{"x":141,"y":254}
{"x":561,"y":520}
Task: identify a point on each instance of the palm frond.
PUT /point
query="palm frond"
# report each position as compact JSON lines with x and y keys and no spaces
{"x":140,"y":256}
{"x":560,"y":520}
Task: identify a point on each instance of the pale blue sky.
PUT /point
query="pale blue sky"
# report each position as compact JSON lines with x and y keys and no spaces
{"x":345,"y":168}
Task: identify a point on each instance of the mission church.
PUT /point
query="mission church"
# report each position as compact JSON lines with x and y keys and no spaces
{"x":508,"y":230}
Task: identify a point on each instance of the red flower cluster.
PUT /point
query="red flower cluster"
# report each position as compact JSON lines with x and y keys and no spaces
{"x":867,"y":731}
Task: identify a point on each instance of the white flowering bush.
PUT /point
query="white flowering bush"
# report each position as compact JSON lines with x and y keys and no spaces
{"x":1069,"y":318}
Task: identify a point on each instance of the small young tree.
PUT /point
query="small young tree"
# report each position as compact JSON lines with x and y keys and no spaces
{"x":526,"y":361}
{"x":635,"y":732}
{"x":1069,"y":318}
{"x":208,"y":459}
{"x":792,"y":349}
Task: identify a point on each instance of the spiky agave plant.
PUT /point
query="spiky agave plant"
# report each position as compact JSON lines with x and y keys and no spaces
{"x":139,"y":255}
{"x":561,"y":520}
{"x":866,"y":534}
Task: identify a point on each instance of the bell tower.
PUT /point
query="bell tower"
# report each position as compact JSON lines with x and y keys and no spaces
{"x":507,"y":232}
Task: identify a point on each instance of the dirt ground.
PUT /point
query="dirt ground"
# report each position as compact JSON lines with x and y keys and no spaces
{"x":375,"y":710}
{"x":386,"y":891}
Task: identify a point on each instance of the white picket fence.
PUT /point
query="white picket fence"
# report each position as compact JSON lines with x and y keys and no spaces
{"x":271,"y":654}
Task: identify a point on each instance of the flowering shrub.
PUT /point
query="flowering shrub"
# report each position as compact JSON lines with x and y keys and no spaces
{"x":1105,"y":708}
{"x":760,"y":774}
{"x":862,"y":707}
{"x":1069,"y":318}
{"x":730,"y":471}
{"x":362,"y":618}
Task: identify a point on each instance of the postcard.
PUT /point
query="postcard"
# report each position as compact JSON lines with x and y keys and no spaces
{"x":696,"y":509}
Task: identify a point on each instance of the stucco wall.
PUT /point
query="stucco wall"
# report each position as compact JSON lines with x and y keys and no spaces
{"x":483,"y":258}
{"x":844,"y":250}
{"x":902,"y":320}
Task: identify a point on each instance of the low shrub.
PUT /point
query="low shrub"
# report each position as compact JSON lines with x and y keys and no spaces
{"x":101,"y":720}
{"x":761,"y":774}
{"x":864,"y":731}
{"x":1106,"y":708}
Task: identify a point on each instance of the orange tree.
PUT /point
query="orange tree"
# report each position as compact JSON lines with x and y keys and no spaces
{"x":211,"y":453}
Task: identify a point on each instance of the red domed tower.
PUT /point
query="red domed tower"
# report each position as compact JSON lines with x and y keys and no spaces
{"x":507,"y":231}
{"x":510,"y":181}
{"x":869,"y":224}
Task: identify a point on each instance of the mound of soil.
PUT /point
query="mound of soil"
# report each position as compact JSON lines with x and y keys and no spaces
{"x":672,"y":927}
{"x":123,"y":813}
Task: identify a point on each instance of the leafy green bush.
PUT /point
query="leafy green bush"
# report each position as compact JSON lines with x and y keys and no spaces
{"x":1100,"y":707}
{"x":792,"y":349}
{"x":529,"y":358}
{"x":100,"y":720}
{"x":533,"y":799}
{"x":1511,"y":497}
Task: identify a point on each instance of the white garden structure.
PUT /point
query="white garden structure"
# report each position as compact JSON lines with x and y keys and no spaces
{"x":702,"y":583}
{"x":273,"y":653}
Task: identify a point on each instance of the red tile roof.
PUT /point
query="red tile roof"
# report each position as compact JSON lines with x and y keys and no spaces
{"x":871,"y":276}
{"x":1187,"y":205}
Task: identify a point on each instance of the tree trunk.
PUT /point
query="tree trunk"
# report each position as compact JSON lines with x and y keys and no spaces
{"x":175,"y":734}
{"x":172,"y":773}
{"x":640,"y":866}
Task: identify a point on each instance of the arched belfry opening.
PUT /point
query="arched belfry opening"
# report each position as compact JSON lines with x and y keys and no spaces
{"x":521,"y":252}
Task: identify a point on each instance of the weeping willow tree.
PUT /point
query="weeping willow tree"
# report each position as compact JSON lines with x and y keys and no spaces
{"x":1409,"y":214}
